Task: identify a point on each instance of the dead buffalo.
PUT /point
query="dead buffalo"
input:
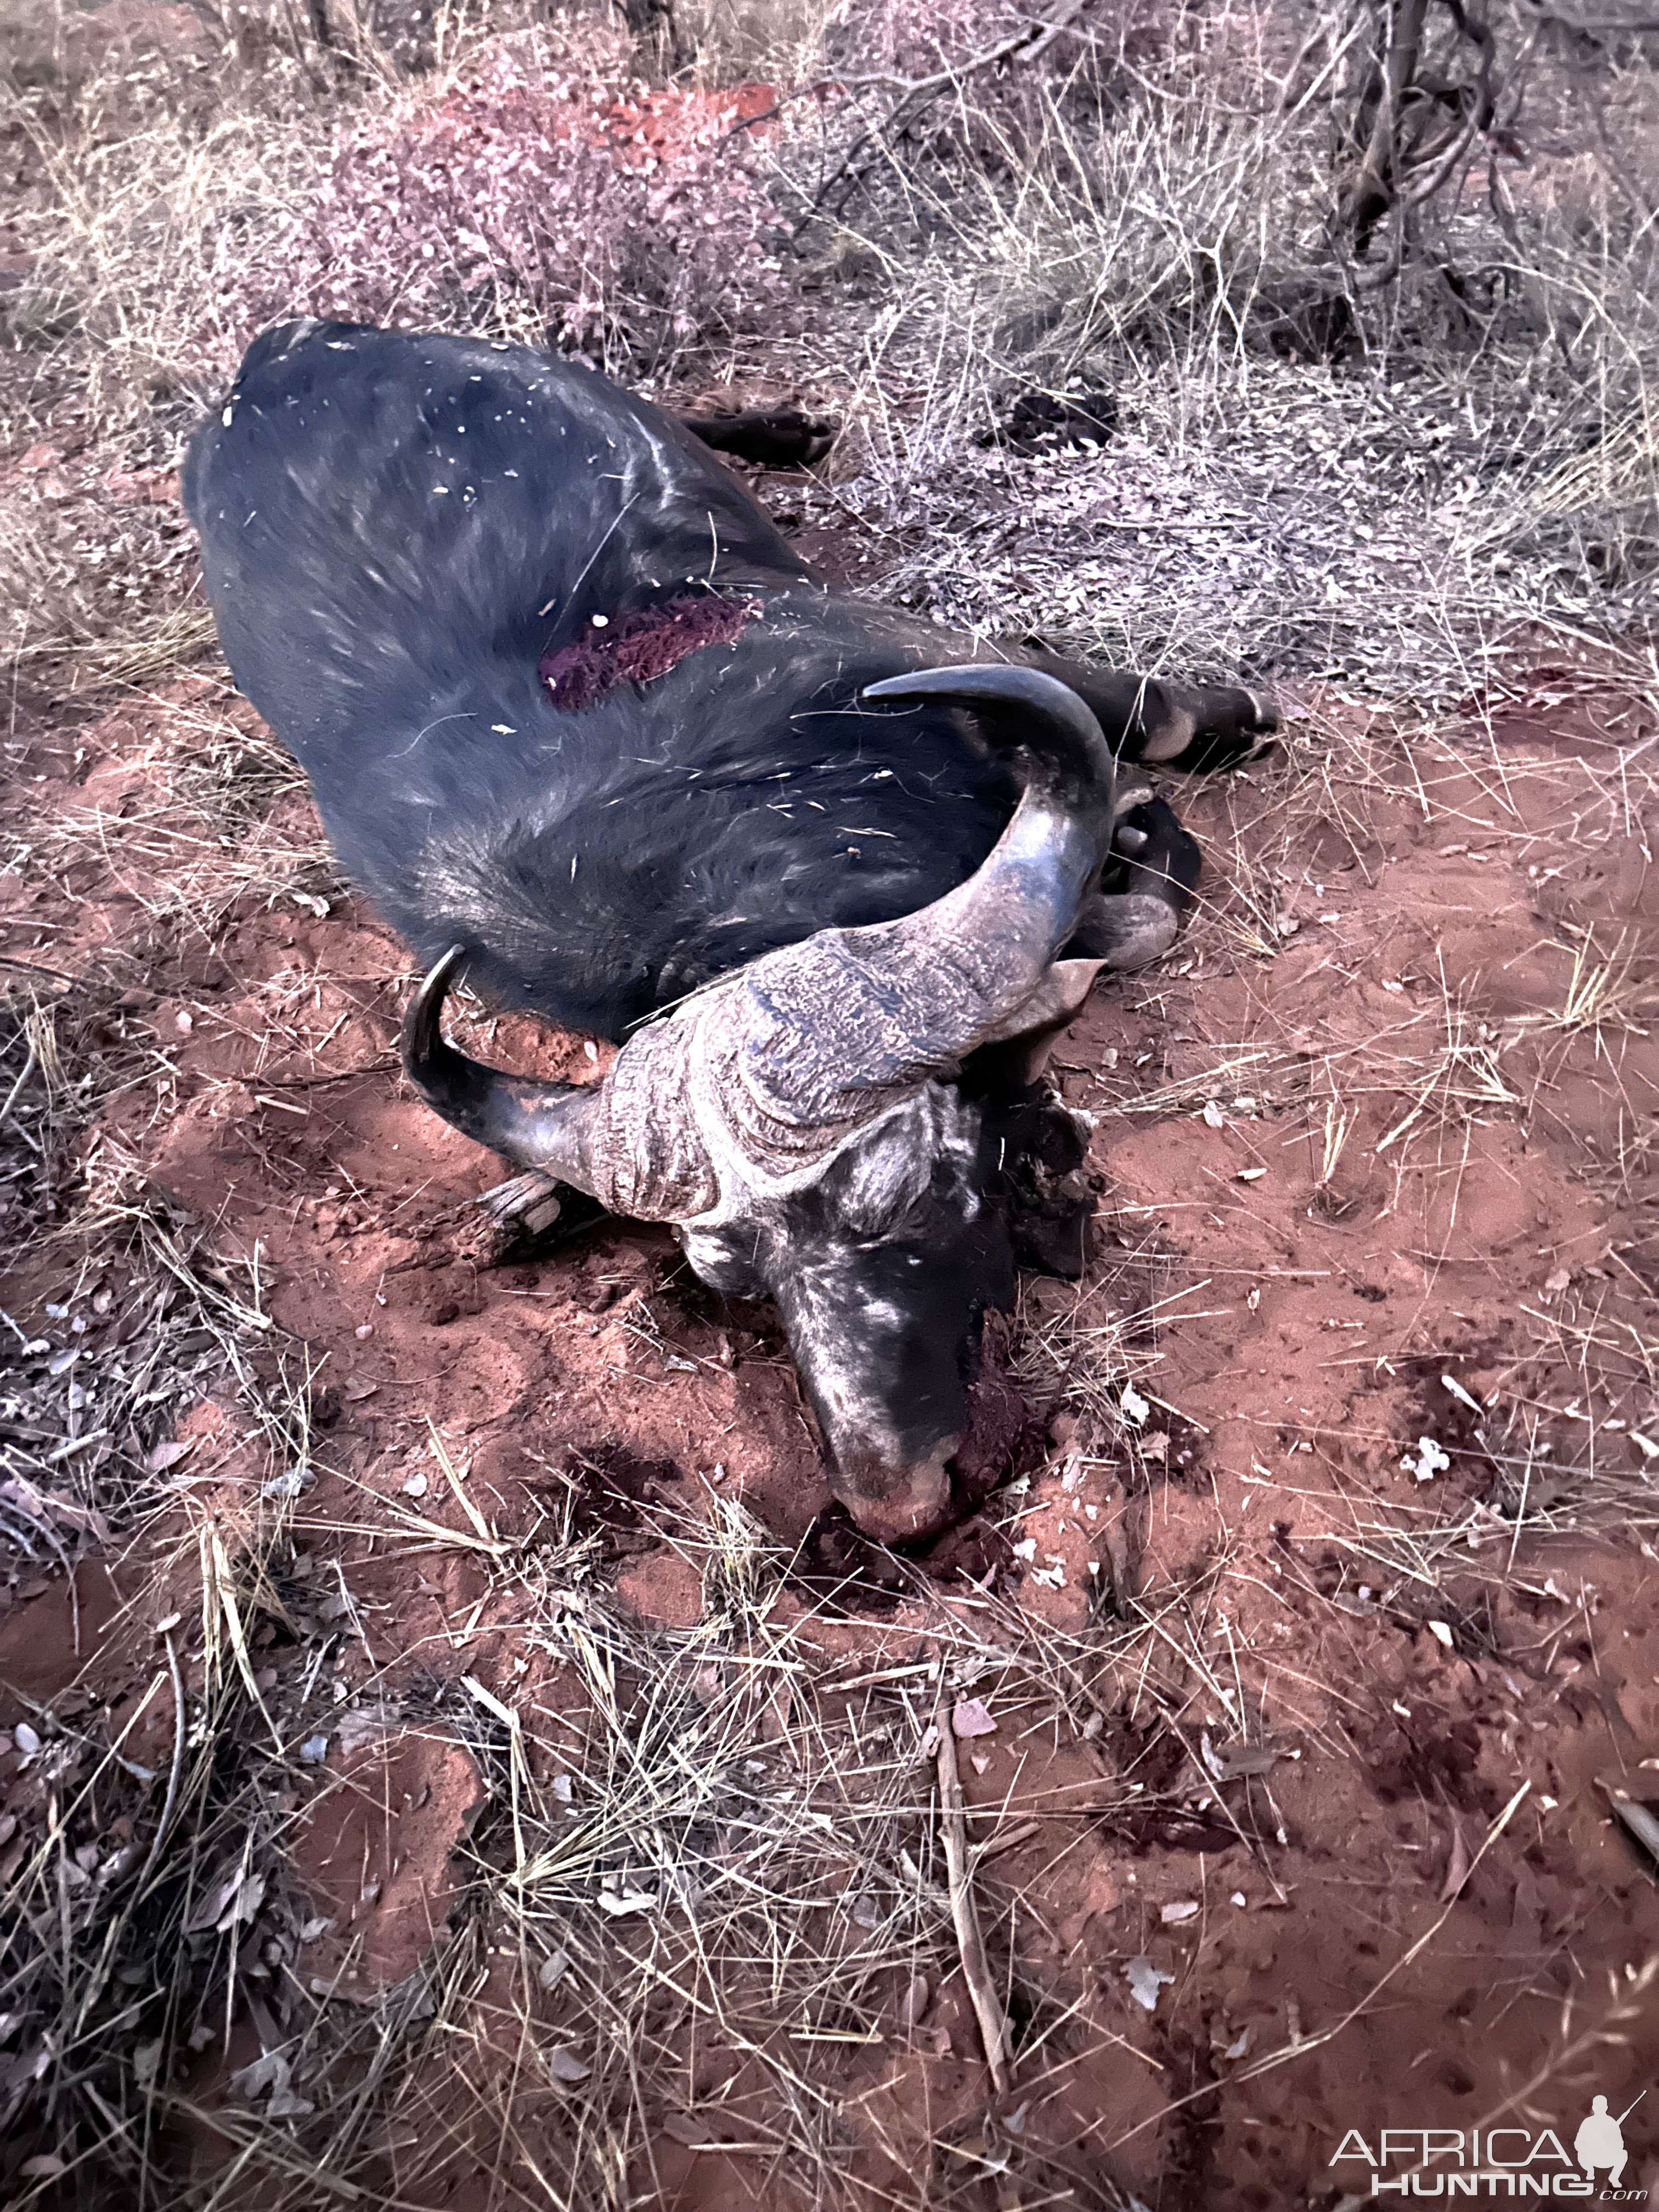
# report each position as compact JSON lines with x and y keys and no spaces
{"x":588,"y":732}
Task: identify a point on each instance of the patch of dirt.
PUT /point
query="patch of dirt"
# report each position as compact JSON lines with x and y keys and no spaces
{"x":1375,"y":1157}
{"x":53,"y":1627}
{"x":372,"y":1852}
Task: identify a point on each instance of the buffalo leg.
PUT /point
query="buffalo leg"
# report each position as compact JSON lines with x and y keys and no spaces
{"x":772,"y":437}
{"x":1149,"y":885}
{"x":1190,"y":726}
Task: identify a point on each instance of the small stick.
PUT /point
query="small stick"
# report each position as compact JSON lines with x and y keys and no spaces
{"x":179,"y":1719}
{"x":1005,"y":1841}
{"x":976,"y":1969}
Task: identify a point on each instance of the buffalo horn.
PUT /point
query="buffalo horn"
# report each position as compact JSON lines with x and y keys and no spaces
{"x":851,"y":1011}
{"x":548,"y":1126}
{"x":1068,"y":751}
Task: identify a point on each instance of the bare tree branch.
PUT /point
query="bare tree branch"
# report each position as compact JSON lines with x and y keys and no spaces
{"x":1025,"y":44}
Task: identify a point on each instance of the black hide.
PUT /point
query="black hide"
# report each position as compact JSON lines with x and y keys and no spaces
{"x":395,"y":529}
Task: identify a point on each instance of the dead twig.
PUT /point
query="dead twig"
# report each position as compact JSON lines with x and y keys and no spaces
{"x":975,"y":1966}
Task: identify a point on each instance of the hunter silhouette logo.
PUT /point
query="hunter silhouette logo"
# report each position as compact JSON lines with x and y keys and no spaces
{"x":1600,"y":2141}
{"x":1503,"y":2161}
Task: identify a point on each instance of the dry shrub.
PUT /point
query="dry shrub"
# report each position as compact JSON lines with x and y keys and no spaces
{"x":538,"y":199}
{"x":140,"y":245}
{"x":1165,"y":219}
{"x":536,"y":194}
{"x":129,"y":1892}
{"x":525,"y":197}
{"x":1154,"y":210}
{"x":1182,"y":198}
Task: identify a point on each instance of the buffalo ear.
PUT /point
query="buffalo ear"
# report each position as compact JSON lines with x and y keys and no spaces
{"x":1025,"y":1037}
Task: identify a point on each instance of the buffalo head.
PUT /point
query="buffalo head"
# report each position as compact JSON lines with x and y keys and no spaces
{"x":804,"y":1126}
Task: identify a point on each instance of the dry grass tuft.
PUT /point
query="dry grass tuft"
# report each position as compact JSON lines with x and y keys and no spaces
{"x":93,"y":570}
{"x":1606,"y":990}
{"x":128,"y":1912}
{"x":65,"y":1048}
{"x":711,"y":1843}
{"x":147,"y":1322}
{"x":527,"y":189}
{"x":706,"y":1856}
{"x":196,"y":825}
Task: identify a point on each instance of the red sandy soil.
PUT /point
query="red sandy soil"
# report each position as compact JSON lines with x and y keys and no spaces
{"x":1302,"y":1329}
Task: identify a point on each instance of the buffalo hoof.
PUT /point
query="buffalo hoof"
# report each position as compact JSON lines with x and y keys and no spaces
{"x":1149,"y":885}
{"x":1229,"y":727}
{"x":784,"y":437}
{"x":531,"y":1211}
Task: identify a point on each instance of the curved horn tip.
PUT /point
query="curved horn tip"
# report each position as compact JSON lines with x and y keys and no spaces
{"x":421,"y":1030}
{"x":1071,"y":738}
{"x":1014,"y":682}
{"x":927,"y":683}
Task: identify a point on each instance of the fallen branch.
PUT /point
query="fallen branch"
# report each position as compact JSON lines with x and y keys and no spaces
{"x":975,"y":1967}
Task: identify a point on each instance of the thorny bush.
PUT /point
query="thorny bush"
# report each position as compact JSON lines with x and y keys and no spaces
{"x":545,"y":203}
